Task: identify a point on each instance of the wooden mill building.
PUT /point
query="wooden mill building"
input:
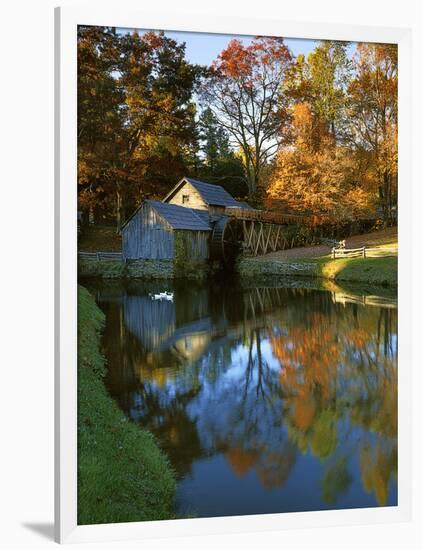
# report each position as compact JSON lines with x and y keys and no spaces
{"x":201,"y":222}
{"x":151,"y":233}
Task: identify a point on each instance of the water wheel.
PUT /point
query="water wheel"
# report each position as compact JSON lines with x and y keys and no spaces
{"x":226,"y":240}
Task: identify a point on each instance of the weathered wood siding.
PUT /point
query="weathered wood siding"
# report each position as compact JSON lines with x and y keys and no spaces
{"x":194,"y":244}
{"x":147,"y":236}
{"x":217,"y":209}
{"x":151,"y":321}
{"x":195,"y":199}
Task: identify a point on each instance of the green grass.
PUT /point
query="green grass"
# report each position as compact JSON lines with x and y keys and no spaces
{"x":381,"y":271}
{"x":122,"y":474}
{"x":101,"y":269}
{"x":378,"y":271}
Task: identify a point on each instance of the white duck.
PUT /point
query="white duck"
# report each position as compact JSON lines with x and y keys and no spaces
{"x":163,"y":296}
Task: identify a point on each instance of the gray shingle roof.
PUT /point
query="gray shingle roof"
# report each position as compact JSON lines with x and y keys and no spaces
{"x":203,"y":214}
{"x":180,"y":217}
{"x":213,"y":194}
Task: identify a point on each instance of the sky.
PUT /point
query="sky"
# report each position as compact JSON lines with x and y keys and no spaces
{"x":203,"y":48}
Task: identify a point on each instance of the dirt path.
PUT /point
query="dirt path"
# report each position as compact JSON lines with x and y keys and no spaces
{"x":376,"y":238}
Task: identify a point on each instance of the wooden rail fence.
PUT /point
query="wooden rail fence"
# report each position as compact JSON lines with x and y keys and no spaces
{"x":363,"y":252}
{"x":379,"y":301}
{"x":101,"y":256}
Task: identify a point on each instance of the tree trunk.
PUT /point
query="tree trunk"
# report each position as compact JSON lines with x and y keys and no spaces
{"x":250,"y":176}
{"x":119,"y":208}
{"x":386,"y":194}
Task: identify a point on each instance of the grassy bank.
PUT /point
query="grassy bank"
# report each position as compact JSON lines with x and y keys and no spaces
{"x":101,"y":270}
{"x":379,"y":271}
{"x":142,"y":269}
{"x":122,"y":474}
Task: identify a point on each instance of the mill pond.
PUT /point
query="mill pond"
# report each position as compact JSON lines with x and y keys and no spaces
{"x":265,"y":398}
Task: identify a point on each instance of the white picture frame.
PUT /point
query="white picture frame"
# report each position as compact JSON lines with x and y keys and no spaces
{"x":66,"y":22}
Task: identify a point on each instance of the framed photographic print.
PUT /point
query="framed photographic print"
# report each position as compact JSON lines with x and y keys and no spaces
{"x":232,"y":347}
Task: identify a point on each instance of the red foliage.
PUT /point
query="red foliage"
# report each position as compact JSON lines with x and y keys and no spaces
{"x":239,"y":60}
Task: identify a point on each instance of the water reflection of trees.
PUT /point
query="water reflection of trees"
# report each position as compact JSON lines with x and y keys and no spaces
{"x":239,"y":409}
{"x":341,"y":372}
{"x":260,"y":375}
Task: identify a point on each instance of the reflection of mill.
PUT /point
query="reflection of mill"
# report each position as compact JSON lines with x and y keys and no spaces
{"x":201,"y":320}
{"x":262,"y":300}
{"x":188,"y":328}
{"x":201,"y":317}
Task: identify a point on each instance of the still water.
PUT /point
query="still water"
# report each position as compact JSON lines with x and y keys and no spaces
{"x":266,"y":399}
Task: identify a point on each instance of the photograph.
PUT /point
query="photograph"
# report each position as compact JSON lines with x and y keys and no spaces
{"x":237,"y":251}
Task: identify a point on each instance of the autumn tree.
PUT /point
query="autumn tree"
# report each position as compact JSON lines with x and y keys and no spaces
{"x":314,"y":175}
{"x":243,"y":93}
{"x":318,"y":134}
{"x":98,"y":114}
{"x":372,"y":116}
{"x":157,"y":113}
{"x":136,"y":103}
{"x":321,"y":81}
{"x":341,"y":160}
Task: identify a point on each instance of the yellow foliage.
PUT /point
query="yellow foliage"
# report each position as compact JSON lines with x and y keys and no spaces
{"x":317,"y":176}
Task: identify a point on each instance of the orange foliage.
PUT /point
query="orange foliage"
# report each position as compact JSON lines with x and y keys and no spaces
{"x":313,"y":363}
{"x":317,"y":176}
{"x":272,"y":468}
{"x":372,"y":100}
{"x":308,"y":359}
{"x":241,"y":460}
